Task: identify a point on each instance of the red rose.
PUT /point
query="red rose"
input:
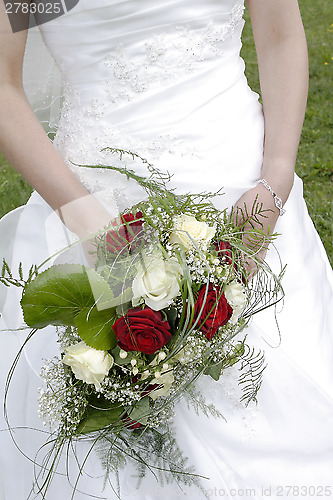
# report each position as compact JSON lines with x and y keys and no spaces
{"x":142,"y":330}
{"x":216,"y":311}
{"x":129,"y":227}
{"x":224,"y":251}
{"x":131,"y":424}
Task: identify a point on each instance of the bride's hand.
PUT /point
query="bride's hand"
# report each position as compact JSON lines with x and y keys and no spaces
{"x":85,"y":217}
{"x":256,"y":197}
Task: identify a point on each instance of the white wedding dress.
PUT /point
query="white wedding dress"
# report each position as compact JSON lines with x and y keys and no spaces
{"x":164,"y":79}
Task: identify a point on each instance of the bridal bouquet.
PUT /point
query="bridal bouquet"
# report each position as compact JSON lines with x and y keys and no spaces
{"x":165,"y":303}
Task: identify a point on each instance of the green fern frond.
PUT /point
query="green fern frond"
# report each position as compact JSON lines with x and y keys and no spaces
{"x":197,"y":401}
{"x":149,"y":451}
{"x":252,"y":368}
{"x":7,"y":278}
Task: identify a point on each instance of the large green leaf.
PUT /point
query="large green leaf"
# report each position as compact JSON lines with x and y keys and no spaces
{"x":95,"y":327}
{"x":99,"y":414}
{"x":58,"y":294}
{"x":102,"y":293}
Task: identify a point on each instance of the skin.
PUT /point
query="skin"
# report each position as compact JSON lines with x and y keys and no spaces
{"x":26,"y":146}
{"x":283,"y":68}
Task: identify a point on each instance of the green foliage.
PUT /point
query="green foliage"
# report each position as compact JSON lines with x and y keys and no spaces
{"x":196,"y":400}
{"x":68,"y":294}
{"x":141,"y":411}
{"x":151,"y":451}
{"x":99,"y":414}
{"x":95,"y":327}
{"x":56,"y":296}
{"x":14,"y":190}
{"x":251,"y":373}
{"x":8,"y":279}
{"x":214,"y":370}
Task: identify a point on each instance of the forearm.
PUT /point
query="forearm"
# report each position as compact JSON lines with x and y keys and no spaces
{"x":284,"y":85}
{"x":25,"y":144}
{"x":283,"y":70}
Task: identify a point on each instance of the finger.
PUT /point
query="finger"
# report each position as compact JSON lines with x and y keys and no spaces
{"x":253,"y":265}
{"x":250,"y":269}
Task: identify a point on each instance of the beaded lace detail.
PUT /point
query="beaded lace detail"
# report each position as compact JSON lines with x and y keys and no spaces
{"x":165,"y":59}
{"x":79,"y":146}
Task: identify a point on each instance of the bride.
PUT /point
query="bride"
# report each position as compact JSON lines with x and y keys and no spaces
{"x":165,"y":79}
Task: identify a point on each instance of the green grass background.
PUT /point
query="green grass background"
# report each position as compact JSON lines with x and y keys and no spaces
{"x":315,"y":158}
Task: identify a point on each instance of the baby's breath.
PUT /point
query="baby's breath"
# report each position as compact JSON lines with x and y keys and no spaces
{"x":63,"y":400}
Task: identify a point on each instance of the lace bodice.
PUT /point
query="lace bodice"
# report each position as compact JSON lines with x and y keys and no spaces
{"x":128,"y":46}
{"x":145,"y":76}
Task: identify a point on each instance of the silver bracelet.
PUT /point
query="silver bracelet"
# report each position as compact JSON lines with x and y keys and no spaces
{"x":277,"y":200}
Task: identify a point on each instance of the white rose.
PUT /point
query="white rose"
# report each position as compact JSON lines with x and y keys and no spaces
{"x":88,"y":364}
{"x":156,"y":282}
{"x":165,"y":381}
{"x":234,"y":293}
{"x":184,"y":355}
{"x":188,"y":227}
